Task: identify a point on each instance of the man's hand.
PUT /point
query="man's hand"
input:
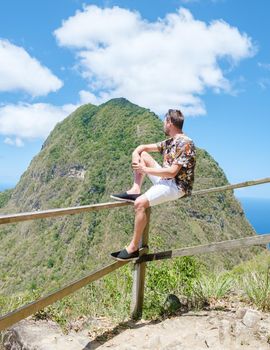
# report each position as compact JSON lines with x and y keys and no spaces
{"x":139,"y":167}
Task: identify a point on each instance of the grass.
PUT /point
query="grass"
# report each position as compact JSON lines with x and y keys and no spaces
{"x":110,"y":297}
{"x":257,"y":288}
{"x":212,"y":287}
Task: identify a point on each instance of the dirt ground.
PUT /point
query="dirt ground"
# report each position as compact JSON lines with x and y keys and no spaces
{"x":226,"y":326}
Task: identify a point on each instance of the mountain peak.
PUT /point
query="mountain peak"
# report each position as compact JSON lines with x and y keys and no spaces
{"x":85,"y":159}
{"x":119,"y":101}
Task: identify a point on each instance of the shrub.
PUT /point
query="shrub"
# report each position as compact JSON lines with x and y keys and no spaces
{"x":256,"y":287}
{"x":212,"y":286}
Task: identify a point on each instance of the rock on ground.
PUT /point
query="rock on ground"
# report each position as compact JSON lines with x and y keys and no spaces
{"x":219,"y":330}
{"x":42,"y":335}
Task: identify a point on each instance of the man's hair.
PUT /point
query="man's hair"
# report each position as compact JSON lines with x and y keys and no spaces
{"x":176,"y":117}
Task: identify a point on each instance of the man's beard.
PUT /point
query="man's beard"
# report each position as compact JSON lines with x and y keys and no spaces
{"x":166,"y":132}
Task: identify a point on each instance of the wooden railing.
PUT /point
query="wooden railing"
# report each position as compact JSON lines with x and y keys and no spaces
{"x":139,"y":265}
{"x":5,"y":219}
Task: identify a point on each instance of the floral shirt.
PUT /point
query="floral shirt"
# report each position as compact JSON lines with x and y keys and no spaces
{"x":180,"y":151}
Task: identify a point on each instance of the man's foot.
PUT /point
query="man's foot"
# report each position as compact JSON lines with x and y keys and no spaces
{"x":125,"y":197}
{"x":123,"y":255}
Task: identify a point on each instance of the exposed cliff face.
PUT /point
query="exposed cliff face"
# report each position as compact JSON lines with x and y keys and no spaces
{"x":85,"y":159}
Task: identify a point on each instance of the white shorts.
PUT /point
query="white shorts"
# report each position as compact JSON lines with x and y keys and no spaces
{"x":163,"y":190}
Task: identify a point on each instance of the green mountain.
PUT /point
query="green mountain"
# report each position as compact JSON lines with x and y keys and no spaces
{"x":84,"y":159}
{"x":4,"y":197}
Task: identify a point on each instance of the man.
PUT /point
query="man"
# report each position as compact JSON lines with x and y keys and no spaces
{"x":172,"y":181}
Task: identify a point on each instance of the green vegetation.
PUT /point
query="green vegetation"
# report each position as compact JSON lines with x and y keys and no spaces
{"x":84,"y":159}
{"x":212,"y":286}
{"x":184,"y":277}
{"x":257,"y":288}
{"x":5,"y":197}
{"x":253,"y":279}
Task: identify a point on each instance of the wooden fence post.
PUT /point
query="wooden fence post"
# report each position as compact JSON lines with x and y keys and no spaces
{"x":139,"y":275}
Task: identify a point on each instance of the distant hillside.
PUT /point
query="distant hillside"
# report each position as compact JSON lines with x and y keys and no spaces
{"x":85,"y":159}
{"x":5,"y":197}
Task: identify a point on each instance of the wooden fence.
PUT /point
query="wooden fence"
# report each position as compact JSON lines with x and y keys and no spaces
{"x":139,"y":265}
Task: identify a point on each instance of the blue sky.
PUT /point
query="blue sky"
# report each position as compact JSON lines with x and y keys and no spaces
{"x":211,"y":58}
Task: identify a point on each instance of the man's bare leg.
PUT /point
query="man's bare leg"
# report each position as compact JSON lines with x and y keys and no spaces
{"x":146,"y":160}
{"x":138,"y":180}
{"x":140,"y":204}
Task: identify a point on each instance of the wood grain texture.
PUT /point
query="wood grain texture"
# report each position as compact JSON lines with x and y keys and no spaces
{"x":139,"y":275}
{"x":208,"y":248}
{"x":15,"y":316}
{"x":6,"y":219}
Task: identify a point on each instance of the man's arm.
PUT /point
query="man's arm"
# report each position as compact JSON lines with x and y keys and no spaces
{"x":136,"y":154}
{"x":169,"y":172}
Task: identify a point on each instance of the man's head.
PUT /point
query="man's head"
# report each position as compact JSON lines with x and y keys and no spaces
{"x":174,"y":120}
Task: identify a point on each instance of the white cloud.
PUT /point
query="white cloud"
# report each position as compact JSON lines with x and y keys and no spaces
{"x":264,"y":83}
{"x":30,"y":121}
{"x":189,"y":1}
{"x":20,"y":71}
{"x":264,"y":65}
{"x":164,"y":64}
{"x":88,"y":97}
{"x":14,"y":142}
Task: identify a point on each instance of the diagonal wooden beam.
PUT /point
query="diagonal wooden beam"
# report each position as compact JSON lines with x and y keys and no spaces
{"x":19,"y":314}
{"x":29,"y":309}
{"x":7,"y":219}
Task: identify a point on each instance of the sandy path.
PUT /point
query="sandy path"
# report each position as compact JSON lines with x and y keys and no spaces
{"x":220,"y":330}
{"x":196,"y":331}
